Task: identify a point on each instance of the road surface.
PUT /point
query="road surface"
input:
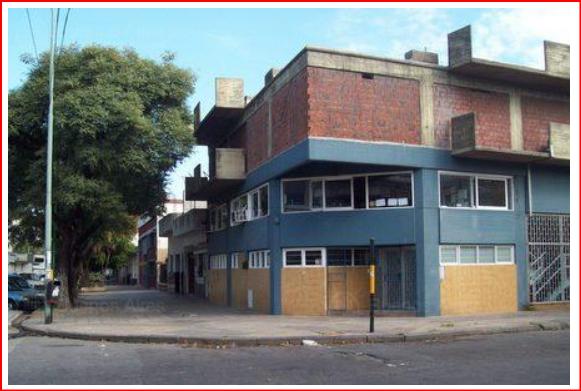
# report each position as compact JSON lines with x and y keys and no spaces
{"x":529,"y":358}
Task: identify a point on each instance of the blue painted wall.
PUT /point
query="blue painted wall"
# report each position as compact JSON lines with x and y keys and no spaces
{"x":550,"y":189}
{"x":425,"y":225}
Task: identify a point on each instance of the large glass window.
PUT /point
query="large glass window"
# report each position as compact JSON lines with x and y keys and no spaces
{"x":392,"y":190}
{"x":293,"y":258}
{"x":492,"y":193}
{"x":338,"y":194}
{"x":339,"y":256}
{"x":296,"y":196}
{"x":317,"y":194}
{"x":456,"y":191}
{"x":264,"y":201}
{"x":475,"y":191}
{"x":313,"y":258}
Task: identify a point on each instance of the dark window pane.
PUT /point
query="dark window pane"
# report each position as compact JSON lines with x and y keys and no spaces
{"x":491,"y":192}
{"x":293,"y":258}
{"x":338,"y":257}
{"x":390,"y":190}
{"x":317,"y":194}
{"x":361,"y":256}
{"x":338,"y":193}
{"x":456,"y":191}
{"x":296,"y":196}
{"x":359,"y":192}
{"x":264,"y":201}
{"x":313,"y":258}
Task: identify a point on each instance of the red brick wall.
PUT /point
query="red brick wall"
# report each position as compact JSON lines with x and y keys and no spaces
{"x":536,"y":115}
{"x":257,"y":137}
{"x":345,"y":105}
{"x":289,"y":114}
{"x":492,"y":115}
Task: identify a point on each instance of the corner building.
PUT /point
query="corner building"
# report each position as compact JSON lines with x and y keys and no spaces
{"x":460,"y":173}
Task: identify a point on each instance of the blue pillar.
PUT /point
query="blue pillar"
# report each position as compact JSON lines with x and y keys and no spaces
{"x":427,"y":242}
{"x":274,"y":218}
{"x":521,"y":243}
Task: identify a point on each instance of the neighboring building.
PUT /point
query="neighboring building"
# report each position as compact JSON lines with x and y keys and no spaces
{"x":152,"y":248}
{"x":444,"y":166}
{"x":187,"y":265}
{"x":26,"y":263}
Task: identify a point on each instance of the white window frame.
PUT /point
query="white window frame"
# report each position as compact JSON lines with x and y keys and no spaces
{"x":352,"y":179}
{"x":508,"y":191}
{"x":457,"y":254}
{"x":218,"y":261}
{"x":303,"y":251}
{"x":411,"y":173}
{"x":259,"y":259}
{"x":249,"y":207}
{"x":235,"y":260}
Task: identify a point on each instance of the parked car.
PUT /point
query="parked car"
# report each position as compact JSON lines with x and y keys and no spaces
{"x":21,"y":296}
{"x":34,"y":280}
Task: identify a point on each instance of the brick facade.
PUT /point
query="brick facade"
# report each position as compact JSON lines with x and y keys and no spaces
{"x":492,"y":111}
{"x":347,"y":105}
{"x":537,"y":114}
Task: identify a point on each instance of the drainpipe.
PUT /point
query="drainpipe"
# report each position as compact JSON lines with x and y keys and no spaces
{"x":529,"y":189}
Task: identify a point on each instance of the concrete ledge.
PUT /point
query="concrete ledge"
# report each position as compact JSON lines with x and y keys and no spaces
{"x":298,"y":340}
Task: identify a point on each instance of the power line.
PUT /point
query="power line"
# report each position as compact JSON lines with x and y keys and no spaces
{"x":32,"y":34}
{"x":64,"y":29}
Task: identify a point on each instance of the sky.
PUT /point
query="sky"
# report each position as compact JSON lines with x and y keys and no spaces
{"x":246,"y":43}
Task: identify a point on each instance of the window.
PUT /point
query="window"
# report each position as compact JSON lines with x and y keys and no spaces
{"x":218,"y":261}
{"x":475,"y":191}
{"x":250,"y":206}
{"x":259,"y":259}
{"x":304,"y":257}
{"x":296,"y":196}
{"x":472,"y":254}
{"x":448,"y":254}
{"x":492,"y":193}
{"x":391,"y":190}
{"x":218,"y":218}
{"x":236,"y":260}
{"x":338,"y":194}
{"x":456,"y":191}
{"x":317,"y":194}
{"x":504,"y":254}
{"x":337,"y":256}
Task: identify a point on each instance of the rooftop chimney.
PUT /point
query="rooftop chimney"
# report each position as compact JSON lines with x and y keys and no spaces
{"x":270,"y":75}
{"x":422,"y":56}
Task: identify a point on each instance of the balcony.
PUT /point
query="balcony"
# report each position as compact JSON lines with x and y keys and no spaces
{"x":227,"y":171}
{"x":225,"y":114}
{"x":466,"y":144}
{"x":166,"y":225}
{"x":176,"y":224}
{"x":554,"y":78}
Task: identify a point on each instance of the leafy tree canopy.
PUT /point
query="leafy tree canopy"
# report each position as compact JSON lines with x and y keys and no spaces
{"x":121,"y":124}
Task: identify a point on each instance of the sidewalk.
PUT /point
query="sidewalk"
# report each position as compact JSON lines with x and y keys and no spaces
{"x":160,"y":317}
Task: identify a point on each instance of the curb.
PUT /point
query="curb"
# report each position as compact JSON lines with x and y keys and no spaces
{"x":222,"y":343}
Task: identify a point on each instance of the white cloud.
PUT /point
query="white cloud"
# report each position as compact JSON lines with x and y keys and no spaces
{"x":516,"y":35}
{"x":508,"y":35}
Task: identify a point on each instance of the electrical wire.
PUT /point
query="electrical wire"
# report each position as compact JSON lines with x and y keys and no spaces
{"x":64,"y":29}
{"x":32,"y":34}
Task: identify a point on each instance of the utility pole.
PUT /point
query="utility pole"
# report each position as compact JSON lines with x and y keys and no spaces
{"x":48,"y":209}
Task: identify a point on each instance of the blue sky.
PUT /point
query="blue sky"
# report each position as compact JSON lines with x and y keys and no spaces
{"x":247,"y":42}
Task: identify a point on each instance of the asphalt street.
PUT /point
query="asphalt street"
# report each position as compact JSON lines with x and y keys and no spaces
{"x":530,"y":358}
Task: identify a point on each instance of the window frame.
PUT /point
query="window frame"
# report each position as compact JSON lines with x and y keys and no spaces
{"x":254,"y":257}
{"x":351,"y":178}
{"x":508,"y":191}
{"x":303,"y":251}
{"x":477,"y":263}
{"x":412,"y":198}
{"x":216,"y":210}
{"x":249,"y":207}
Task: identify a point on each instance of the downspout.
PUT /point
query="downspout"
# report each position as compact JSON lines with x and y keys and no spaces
{"x":529,"y":189}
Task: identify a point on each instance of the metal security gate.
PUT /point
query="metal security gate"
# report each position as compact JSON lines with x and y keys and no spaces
{"x":397,"y":278}
{"x":548,"y":258}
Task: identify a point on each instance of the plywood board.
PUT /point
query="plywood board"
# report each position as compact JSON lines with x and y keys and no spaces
{"x":259,"y":282}
{"x":304,"y":291}
{"x":217,"y":292}
{"x":478,"y":289}
{"x":357,"y":288}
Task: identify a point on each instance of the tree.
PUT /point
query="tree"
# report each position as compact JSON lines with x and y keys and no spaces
{"x":121,"y":124}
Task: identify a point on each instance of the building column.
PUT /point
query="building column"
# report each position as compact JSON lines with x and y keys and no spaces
{"x":427,"y":242}
{"x":521,"y":245}
{"x":274,"y":218}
